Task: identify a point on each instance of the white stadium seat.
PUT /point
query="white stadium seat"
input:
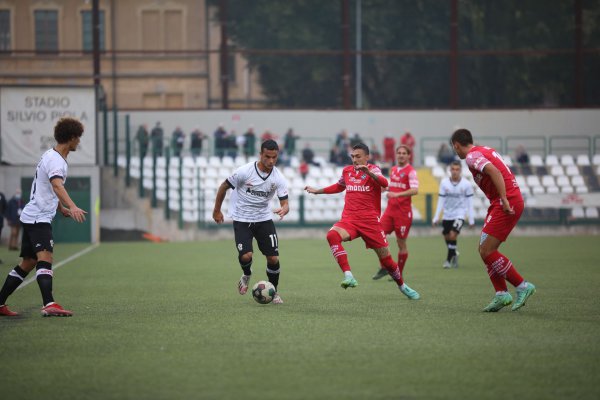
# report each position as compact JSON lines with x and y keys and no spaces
{"x":507,"y":160}
{"x":572,"y":170}
{"x":577,"y":212}
{"x":551,"y":160}
{"x":596,"y":159}
{"x":567,"y":159}
{"x":591,"y":212}
{"x":583,"y":160}
{"x":557,"y":170}
{"x":536,"y":160}
{"x":430,"y":161}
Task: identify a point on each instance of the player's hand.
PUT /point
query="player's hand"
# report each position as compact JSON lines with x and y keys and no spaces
{"x":363,"y":168}
{"x":64,"y":211}
{"x":311,"y":190}
{"x":392,"y":195}
{"x":77,"y":214}
{"x":218,"y":216}
{"x":282,"y":212}
{"x":434,"y":222}
{"x":506,"y":207}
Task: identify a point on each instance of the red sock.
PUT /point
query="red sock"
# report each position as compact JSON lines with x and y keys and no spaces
{"x":402,"y":261}
{"x":513,"y":276}
{"x":338,"y":251}
{"x":389,"y":264}
{"x":497,"y":265}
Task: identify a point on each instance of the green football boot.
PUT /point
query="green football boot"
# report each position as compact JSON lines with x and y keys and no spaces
{"x":498,"y":302}
{"x":349,"y":283}
{"x":523,"y":295}
{"x":382,"y":272}
{"x":410,"y":293}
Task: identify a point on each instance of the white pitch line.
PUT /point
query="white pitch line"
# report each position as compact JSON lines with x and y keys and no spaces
{"x":63,"y":262}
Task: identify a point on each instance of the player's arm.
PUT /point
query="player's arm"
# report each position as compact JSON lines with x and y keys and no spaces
{"x":335,"y":188}
{"x":378,"y":178}
{"x":283,"y":209}
{"x":217,"y":214}
{"x":438,"y":210}
{"x":65,"y":205}
{"x":498,"y":182}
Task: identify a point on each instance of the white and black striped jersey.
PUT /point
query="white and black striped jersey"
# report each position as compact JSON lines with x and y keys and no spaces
{"x":253,"y":191}
{"x":456,"y":200}
{"x":43,"y":202}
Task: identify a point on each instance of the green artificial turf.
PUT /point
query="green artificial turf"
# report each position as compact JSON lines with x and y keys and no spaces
{"x":165,"y":321}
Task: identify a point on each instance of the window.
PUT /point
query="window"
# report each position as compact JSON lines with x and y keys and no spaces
{"x":5,"y":30}
{"x":46,"y":30}
{"x":88,"y":32}
{"x":162,"y":29}
{"x":150,"y":30}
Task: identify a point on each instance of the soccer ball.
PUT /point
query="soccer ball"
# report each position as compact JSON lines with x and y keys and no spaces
{"x":263,"y":292}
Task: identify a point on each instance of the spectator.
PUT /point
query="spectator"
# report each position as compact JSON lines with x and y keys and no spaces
{"x":344,"y":155}
{"x":157,"y":135}
{"x":220,"y":141}
{"x":409,"y":140}
{"x":250,"y":143}
{"x":240,"y":143}
{"x":389,"y":150}
{"x":308,"y":155}
{"x":375,"y":155}
{"x":303,"y":169}
{"x":356,"y":139}
{"x":142,"y":139}
{"x":177,"y":140}
{"x":13,"y":212}
{"x":196,"y":139}
{"x":445,"y":155}
{"x":522,"y":156}
{"x":334,"y":155}
{"x":341,"y":140}
{"x":231,"y":144}
{"x":267,"y":135}
{"x":289,"y":142}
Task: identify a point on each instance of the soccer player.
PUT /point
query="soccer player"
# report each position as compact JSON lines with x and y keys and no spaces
{"x":48,"y":195}
{"x":397,"y":217}
{"x":456,"y":200}
{"x":254,"y":186}
{"x":498,"y":183}
{"x":360,"y":218}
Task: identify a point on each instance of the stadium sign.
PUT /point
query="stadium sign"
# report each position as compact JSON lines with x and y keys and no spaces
{"x":28,"y":116}
{"x":565,"y":200}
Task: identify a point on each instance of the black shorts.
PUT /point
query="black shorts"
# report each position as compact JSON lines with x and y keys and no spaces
{"x":36,"y":238}
{"x":452,"y":225}
{"x":265,"y":235}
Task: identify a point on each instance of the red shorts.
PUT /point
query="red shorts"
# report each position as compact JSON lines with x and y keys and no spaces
{"x":397,"y":221}
{"x":369,"y":230}
{"x":497,"y":223}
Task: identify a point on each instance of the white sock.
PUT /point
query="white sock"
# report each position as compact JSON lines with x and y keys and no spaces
{"x":402,"y":286}
{"x":522,"y":286}
{"x":501,"y":292}
{"x":348,"y":274}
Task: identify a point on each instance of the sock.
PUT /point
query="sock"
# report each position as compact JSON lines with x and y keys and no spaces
{"x":44,"y":279}
{"x":12,"y":282}
{"x":496,"y":268}
{"x":513,"y":276}
{"x":348,"y":274}
{"x":523,"y":285}
{"x":246,"y":267}
{"x":451,"y":248}
{"x":393,"y":269}
{"x":273,"y":274}
{"x":402,"y":261}
{"x":338,"y":251}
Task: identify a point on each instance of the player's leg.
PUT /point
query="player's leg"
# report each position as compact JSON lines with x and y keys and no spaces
{"x":342,"y":232}
{"x":453,"y":240}
{"x":386,"y":260}
{"x":17,"y":275}
{"x":243,"y":242}
{"x":495,"y":231}
{"x":268,"y":243}
{"x":402,"y":228}
{"x":387,"y":225}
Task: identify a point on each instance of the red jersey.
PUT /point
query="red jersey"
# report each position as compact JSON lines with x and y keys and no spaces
{"x":477,"y":158}
{"x":402,"y":179}
{"x":363,"y":194}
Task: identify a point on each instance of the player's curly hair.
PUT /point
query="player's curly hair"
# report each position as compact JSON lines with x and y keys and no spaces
{"x":67,"y":129}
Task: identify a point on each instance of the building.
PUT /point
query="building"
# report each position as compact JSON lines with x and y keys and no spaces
{"x":155,"y":54}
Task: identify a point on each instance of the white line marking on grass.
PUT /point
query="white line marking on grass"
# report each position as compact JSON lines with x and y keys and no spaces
{"x":63,"y":262}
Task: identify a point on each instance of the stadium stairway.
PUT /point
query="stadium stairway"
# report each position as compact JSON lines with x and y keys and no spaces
{"x":428,"y":184}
